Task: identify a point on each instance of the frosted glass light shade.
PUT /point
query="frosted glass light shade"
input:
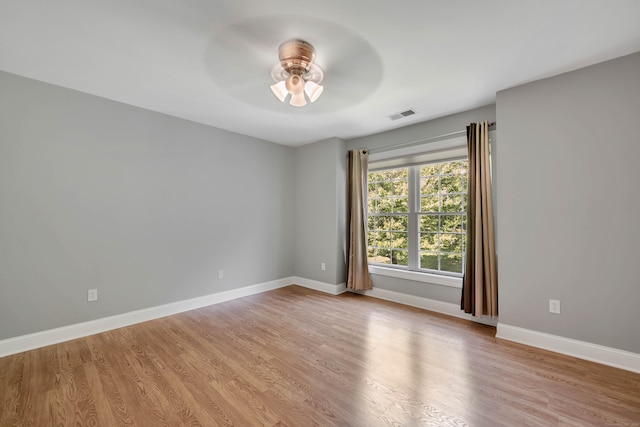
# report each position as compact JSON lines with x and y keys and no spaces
{"x":298,"y":100}
{"x":279,"y":90}
{"x":313,"y":90}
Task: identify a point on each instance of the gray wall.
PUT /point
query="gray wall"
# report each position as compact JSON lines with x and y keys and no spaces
{"x":147,"y":208}
{"x":320,"y":182}
{"x":144,"y":207}
{"x":416,"y":132}
{"x":569,"y":204}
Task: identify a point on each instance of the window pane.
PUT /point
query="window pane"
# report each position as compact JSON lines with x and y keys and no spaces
{"x":429,"y":241}
{"x":371,"y":205}
{"x":400,"y":257}
{"x":382,"y":223}
{"x":374,"y":237}
{"x":429,"y":223}
{"x":451,"y":224}
{"x":401,"y":173}
{"x":432,"y":169}
{"x":385,"y":223}
{"x":399,"y":223}
{"x":450,"y":184}
{"x":451,"y":243}
{"x":384,"y":189}
{"x":375,"y":256}
{"x":451,"y":262}
{"x":401,"y":205}
{"x":452,"y":203}
{"x":399,"y":240}
{"x":370,"y":222}
{"x":371,"y":189}
{"x":383,"y":256}
{"x":401,"y":188}
{"x":458,"y":167}
{"x":385,"y":206}
{"x":429,"y":204}
{"x":383,"y":239}
{"x":429,"y":185}
{"x":429,"y":260}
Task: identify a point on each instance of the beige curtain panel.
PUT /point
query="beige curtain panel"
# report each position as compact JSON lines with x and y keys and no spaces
{"x":480,"y":282}
{"x":357,"y":267}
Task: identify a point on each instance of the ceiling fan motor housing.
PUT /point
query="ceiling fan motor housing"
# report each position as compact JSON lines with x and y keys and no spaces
{"x":296,"y":56}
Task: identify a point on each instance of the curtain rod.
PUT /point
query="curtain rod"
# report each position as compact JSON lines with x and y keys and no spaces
{"x":460,"y":132}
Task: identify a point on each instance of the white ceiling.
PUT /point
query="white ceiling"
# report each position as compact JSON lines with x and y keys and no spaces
{"x":209,"y":61}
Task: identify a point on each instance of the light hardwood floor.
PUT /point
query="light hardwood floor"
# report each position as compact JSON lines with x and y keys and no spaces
{"x":297,"y":357}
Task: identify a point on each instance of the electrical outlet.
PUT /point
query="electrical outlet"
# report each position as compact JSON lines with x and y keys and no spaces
{"x":554,"y":306}
{"x":92,"y":295}
{"x":220,"y":274}
{"x":323,"y":266}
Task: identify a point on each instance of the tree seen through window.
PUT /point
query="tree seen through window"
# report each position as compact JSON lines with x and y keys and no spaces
{"x":433,"y":210}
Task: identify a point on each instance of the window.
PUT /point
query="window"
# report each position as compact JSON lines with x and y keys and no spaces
{"x":417,"y":217}
{"x":388,"y":206}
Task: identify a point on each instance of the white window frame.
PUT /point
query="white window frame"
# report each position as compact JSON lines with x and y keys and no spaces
{"x":438,"y":151}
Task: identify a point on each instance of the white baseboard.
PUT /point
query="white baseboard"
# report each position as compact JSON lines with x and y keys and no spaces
{"x":319,"y":286}
{"x":580,"y":349}
{"x":583,"y":350}
{"x":427,"y":304}
{"x":53,"y":336}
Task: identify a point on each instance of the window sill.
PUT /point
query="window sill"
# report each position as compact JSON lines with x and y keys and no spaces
{"x":436,"y":279}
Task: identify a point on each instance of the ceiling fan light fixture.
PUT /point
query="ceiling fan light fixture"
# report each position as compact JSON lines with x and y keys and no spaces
{"x":280,"y":90}
{"x":313,"y":90}
{"x":298,"y":100}
{"x":296,"y":74}
{"x":295,"y":84}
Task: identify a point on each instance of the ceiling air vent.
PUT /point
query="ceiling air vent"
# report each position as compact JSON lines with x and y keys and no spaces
{"x":402,"y":114}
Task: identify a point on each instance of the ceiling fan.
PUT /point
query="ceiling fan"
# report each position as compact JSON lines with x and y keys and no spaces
{"x":297,"y":74}
{"x":240,"y":60}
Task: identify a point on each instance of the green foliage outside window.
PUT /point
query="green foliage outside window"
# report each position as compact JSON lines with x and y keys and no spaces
{"x":441,"y":217}
{"x":442,"y":224}
{"x":388,"y":201}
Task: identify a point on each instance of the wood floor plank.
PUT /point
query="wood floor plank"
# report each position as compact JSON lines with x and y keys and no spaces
{"x":297,"y":357}
{"x":103,"y":385}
